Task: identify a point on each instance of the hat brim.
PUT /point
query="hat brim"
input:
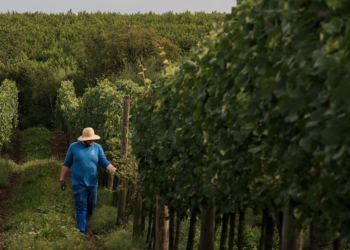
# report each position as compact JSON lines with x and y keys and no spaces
{"x":95,"y":137}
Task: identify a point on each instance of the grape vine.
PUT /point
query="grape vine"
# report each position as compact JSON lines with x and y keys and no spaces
{"x":8,"y":110}
{"x":101,"y":108}
{"x":256,"y":116}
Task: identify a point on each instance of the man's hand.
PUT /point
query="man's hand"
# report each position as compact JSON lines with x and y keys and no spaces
{"x":63,"y":185}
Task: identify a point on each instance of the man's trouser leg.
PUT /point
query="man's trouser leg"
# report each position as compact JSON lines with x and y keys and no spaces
{"x":85,"y":201}
{"x":91,"y":203}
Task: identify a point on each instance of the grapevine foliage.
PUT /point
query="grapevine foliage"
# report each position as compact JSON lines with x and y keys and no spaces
{"x":101,"y":108}
{"x":257,"y":115}
{"x":8,"y":110}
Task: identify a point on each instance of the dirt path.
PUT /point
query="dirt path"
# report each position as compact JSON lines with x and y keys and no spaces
{"x":59,"y":145}
{"x":15,"y":155}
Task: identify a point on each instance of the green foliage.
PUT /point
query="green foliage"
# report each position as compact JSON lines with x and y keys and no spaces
{"x":37,"y":84}
{"x":255,"y":116}
{"x":132,"y":71}
{"x":101,"y":108}
{"x":123,"y":240}
{"x":105,"y":197}
{"x":103,"y":220}
{"x":57,"y":38}
{"x":36,"y":144}
{"x":107,"y":54}
{"x":120,"y":240}
{"x":8,"y":110}
{"x":6,"y":168}
{"x":39,"y":50}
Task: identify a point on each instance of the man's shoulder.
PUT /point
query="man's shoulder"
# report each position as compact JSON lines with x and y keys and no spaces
{"x":75,"y":144}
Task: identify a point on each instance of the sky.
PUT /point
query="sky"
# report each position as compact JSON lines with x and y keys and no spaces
{"x":122,"y":6}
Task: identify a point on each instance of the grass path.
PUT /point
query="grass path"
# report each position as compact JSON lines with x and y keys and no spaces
{"x":39,"y":215}
{"x":14,"y":152}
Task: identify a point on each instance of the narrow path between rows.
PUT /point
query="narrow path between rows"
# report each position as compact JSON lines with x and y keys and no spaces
{"x":59,"y":145}
{"x":59,"y":148}
{"x":15,"y":155}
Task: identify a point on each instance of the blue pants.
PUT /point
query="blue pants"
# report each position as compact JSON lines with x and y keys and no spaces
{"x":85,"y":201}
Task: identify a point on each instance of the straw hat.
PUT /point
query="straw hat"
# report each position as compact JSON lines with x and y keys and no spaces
{"x":88,"y":134}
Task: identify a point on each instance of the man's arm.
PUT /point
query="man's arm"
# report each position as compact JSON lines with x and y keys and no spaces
{"x":63,"y":172}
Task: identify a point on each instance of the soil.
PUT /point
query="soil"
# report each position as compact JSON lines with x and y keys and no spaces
{"x":59,"y":145}
{"x":16,"y":153}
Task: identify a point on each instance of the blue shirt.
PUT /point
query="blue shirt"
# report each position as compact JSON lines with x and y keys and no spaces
{"x":84,"y":160}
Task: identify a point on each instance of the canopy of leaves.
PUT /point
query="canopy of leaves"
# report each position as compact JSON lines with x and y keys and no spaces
{"x":256,"y":115}
{"x":101,"y":108}
{"x":8,"y":110}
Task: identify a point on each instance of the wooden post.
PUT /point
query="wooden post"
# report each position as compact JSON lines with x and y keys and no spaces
{"x":115,"y":193}
{"x":150,"y":219}
{"x":162,"y":228}
{"x":192,"y":229}
{"x":121,"y":207}
{"x":207,"y":238}
{"x":110,"y":181}
{"x":241,"y":225}
{"x":224,"y":229}
{"x":171,"y":228}
{"x":263,"y":230}
{"x":124,"y":151}
{"x":314,"y":236}
{"x":136,"y":232}
{"x":279,"y":222}
{"x":178,"y":231}
{"x":231,"y":235}
{"x":336,"y":244}
{"x":143,"y":218}
{"x":270,"y":231}
{"x":292,"y":237}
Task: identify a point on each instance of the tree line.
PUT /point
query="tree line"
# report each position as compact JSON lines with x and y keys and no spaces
{"x":39,"y":50}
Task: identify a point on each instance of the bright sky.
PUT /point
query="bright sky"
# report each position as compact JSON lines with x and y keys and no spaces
{"x":122,"y":6}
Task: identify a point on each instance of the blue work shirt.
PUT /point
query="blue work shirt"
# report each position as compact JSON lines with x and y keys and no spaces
{"x":84,"y":160}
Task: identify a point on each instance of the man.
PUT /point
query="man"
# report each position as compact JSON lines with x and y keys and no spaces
{"x":84,"y":157}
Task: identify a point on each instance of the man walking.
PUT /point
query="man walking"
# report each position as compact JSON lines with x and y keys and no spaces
{"x":84,"y":157}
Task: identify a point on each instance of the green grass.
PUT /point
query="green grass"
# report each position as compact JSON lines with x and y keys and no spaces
{"x":103,"y":226}
{"x":122,"y":240}
{"x":43,"y":217}
{"x":103,"y":220}
{"x":36,"y":144}
{"x":104,"y":197}
{"x":40,"y":215}
{"x":6,"y":168}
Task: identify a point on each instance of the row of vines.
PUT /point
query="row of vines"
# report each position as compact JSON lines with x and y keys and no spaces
{"x":101,"y":108}
{"x":8,"y":110}
{"x":256,"y":116}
